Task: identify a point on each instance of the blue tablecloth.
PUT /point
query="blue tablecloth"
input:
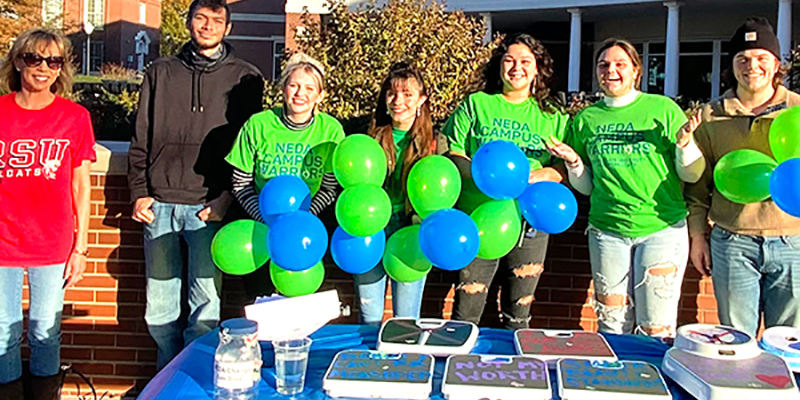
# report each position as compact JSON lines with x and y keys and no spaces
{"x":190,"y":375}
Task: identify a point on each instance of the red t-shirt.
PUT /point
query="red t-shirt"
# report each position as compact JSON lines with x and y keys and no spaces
{"x":38,"y":151}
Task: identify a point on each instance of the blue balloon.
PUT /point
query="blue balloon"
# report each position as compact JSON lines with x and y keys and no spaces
{"x":449,"y":239}
{"x":784,"y":186}
{"x":357,"y":254}
{"x":281,"y":195}
{"x":548,"y":207}
{"x":299,"y":241}
{"x":500,"y":170}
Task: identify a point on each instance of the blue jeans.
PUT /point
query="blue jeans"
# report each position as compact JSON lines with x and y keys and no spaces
{"x":371,"y":289}
{"x":44,"y":320}
{"x":752,"y":274}
{"x":165,"y":277}
{"x":637,"y":281}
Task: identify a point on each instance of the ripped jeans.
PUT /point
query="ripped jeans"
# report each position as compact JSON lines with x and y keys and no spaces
{"x":371,"y":288}
{"x":516,"y":286}
{"x":647,"y":300}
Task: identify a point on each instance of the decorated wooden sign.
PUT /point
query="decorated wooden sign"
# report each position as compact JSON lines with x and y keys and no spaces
{"x":495,"y":377}
{"x":363,"y":373}
{"x":373,"y":366}
{"x":586,"y":379}
{"x":554,"y":344}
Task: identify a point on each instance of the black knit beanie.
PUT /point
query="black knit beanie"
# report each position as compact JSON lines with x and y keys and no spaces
{"x":755,"y":33}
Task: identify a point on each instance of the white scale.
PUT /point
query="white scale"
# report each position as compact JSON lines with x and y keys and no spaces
{"x":784,"y":342}
{"x":722,"y":363}
{"x":437,"y":337}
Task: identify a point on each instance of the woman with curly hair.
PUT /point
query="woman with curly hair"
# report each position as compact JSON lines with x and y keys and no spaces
{"x":515,"y":105}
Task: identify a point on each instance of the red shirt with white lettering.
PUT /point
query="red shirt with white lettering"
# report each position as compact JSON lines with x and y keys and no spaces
{"x":38,"y":151}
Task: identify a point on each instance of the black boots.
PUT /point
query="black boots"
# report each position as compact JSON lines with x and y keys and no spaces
{"x":44,"y":388}
{"x":12,"y":390}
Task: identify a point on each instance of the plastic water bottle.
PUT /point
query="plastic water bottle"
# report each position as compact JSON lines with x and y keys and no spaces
{"x":237,"y":362}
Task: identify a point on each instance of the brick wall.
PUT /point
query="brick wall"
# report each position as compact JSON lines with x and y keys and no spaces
{"x":105,"y":338}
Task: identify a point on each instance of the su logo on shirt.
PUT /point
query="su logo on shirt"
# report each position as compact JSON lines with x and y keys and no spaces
{"x":24,"y":158}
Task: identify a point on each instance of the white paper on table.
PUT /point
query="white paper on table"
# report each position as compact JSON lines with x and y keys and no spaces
{"x":281,"y":317}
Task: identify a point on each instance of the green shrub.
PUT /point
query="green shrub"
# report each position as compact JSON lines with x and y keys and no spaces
{"x":173,"y":26}
{"x":358,"y":46}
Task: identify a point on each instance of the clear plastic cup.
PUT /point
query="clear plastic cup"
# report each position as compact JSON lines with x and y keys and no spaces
{"x":291,"y":359}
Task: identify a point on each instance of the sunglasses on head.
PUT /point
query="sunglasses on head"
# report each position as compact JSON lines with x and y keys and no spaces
{"x":34,"y":60}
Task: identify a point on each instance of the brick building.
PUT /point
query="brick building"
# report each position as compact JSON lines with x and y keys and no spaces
{"x":258,"y":33}
{"x":125,"y":32}
{"x":684,"y":44}
{"x":104,"y":334}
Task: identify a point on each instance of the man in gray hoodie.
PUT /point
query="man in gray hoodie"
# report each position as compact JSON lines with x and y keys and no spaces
{"x":191,"y":108}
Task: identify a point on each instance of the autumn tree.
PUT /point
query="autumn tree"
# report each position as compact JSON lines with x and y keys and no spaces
{"x":17,"y":16}
{"x":173,"y":25}
{"x":358,"y":47}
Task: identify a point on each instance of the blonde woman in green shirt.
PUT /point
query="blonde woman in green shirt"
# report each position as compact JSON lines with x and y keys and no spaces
{"x":637,"y":147}
{"x":294,"y":139}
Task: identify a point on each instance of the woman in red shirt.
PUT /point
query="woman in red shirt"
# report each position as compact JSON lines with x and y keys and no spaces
{"x":46,"y":147}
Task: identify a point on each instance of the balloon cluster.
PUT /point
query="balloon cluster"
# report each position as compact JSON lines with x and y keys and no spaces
{"x":749,"y":176}
{"x":363,"y":209}
{"x":295,"y":239}
{"x":501,"y":171}
{"x":496,"y":196}
{"x":448,"y":238}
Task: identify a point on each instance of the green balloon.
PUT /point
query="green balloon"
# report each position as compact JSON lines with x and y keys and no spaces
{"x":434,"y":183}
{"x":363,"y":210}
{"x":471,"y":197}
{"x":403,"y":260}
{"x":240,"y":247}
{"x":499,"y":225}
{"x":359,"y":159}
{"x":784,"y":135}
{"x":742,"y":176}
{"x":297,"y":283}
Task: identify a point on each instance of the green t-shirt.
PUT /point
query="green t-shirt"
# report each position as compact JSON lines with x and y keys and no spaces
{"x":631,"y":151}
{"x":268,"y":148}
{"x":394,"y":187}
{"x":484,"y":118}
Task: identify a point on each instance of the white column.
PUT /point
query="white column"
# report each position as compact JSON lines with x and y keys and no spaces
{"x":673,"y":48}
{"x":716,"y":69}
{"x":574,"y":79}
{"x":85,"y":52}
{"x":645,"y":67}
{"x":785,"y":29}
{"x":487,"y":20}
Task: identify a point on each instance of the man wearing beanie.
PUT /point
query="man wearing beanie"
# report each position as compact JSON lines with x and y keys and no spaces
{"x":191,"y":108}
{"x":754,"y":254}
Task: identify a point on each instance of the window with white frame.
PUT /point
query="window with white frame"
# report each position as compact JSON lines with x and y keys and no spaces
{"x":96,"y":13}
{"x":52,"y":11}
{"x":278,"y":49}
{"x":143,"y":13}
